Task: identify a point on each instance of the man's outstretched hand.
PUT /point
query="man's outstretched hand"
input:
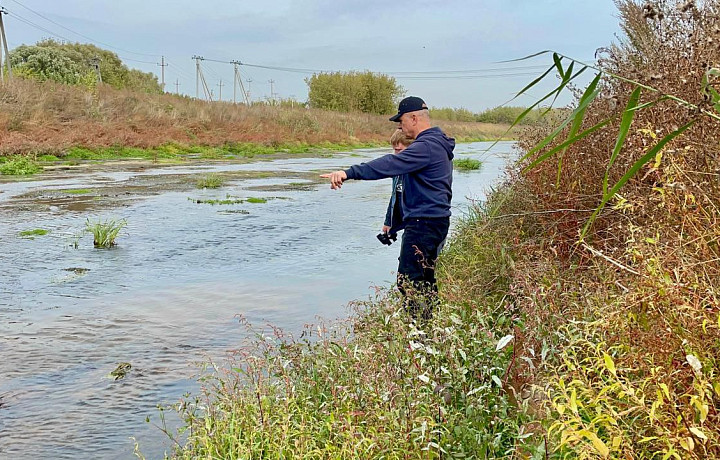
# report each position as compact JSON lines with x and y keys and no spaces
{"x":336,"y":179}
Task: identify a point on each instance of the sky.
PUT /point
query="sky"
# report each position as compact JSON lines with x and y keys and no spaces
{"x":431,"y":38}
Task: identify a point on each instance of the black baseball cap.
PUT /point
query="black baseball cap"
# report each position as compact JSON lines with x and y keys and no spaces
{"x":409,"y":104}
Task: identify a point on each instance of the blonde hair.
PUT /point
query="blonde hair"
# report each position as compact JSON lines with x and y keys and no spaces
{"x":399,"y":137}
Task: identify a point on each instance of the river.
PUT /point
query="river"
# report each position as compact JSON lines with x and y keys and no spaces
{"x":166,"y":298}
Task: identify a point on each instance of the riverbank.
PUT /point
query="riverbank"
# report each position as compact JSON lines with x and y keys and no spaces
{"x":377,"y":385}
{"x":117,"y":157}
{"x":46,"y":118}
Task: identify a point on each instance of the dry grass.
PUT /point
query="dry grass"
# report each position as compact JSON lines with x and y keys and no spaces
{"x":49,"y":118}
{"x":633,"y":312}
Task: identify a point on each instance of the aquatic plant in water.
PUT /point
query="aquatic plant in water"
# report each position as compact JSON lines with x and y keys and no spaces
{"x":467,"y":164}
{"x":120,"y":371}
{"x":31,"y":234}
{"x":105,"y":232}
{"x":210,"y":181}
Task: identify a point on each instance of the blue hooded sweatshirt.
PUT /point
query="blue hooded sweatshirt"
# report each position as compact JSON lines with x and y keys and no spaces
{"x":426,"y":167}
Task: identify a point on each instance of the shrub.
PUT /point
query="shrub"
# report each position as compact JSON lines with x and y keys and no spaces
{"x":71,"y":63}
{"x":354,"y":92}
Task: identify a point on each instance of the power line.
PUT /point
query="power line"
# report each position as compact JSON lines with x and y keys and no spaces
{"x":62,"y":37}
{"x":135,"y":60}
{"x":179,"y":70}
{"x":488,"y":70}
{"x":79,"y":34}
{"x":212,"y":71}
{"x":32,"y":24}
{"x":427,"y":74}
{"x":470,"y":77}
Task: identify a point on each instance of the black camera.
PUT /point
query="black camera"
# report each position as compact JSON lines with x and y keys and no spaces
{"x":387,"y":238}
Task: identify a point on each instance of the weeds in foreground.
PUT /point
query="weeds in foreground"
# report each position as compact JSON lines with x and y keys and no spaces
{"x":374,"y":386}
{"x":105,"y":232}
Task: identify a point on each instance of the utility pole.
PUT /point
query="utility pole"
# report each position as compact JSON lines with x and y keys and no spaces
{"x":272,"y":90}
{"x":220,"y":94}
{"x":249,"y":80}
{"x":197,"y":76}
{"x":96,"y":65}
{"x":3,"y":39}
{"x":238,"y":82}
{"x":177,"y":86}
{"x":162,"y":67}
{"x":200,"y":78}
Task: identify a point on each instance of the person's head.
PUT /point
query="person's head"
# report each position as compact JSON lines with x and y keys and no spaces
{"x":399,"y":141}
{"x":413,"y":116}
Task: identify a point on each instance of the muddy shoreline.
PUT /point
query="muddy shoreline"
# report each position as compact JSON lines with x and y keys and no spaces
{"x":146,"y":178}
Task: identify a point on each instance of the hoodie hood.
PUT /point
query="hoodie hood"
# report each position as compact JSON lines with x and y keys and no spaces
{"x":436,"y":135}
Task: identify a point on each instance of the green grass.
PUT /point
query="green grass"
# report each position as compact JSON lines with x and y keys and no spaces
{"x":229,"y":200}
{"x":105,"y":232}
{"x":33,"y":233}
{"x":18,"y":166}
{"x":375,"y":387}
{"x":77,"y":191}
{"x":210,"y":181}
{"x":217,"y":201}
{"x":467,"y":164}
{"x":179,"y":152}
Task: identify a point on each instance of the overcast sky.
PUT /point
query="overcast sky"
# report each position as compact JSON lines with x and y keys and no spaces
{"x":381,"y":36}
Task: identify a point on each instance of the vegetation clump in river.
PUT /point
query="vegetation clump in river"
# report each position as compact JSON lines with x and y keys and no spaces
{"x":105,"y":232}
{"x":210,"y":181}
{"x":467,"y":164}
{"x":34,"y":232}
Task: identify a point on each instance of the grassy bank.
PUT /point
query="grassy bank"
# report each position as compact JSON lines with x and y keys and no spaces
{"x":23,"y":165}
{"x":546,"y":345}
{"x":376,"y":385}
{"x":49,"y":119}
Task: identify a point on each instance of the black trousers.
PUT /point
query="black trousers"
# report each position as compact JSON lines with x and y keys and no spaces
{"x":421,"y":242}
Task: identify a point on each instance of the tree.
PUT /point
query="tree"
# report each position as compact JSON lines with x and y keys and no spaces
{"x":354,"y":92}
{"x":72,"y":63}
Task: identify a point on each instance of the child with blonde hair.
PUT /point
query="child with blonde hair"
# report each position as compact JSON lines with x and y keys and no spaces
{"x":394,"y":214}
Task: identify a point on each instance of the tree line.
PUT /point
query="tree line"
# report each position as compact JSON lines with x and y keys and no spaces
{"x":365,"y":92}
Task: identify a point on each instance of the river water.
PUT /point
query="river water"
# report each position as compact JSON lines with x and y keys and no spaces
{"x":166,"y":298}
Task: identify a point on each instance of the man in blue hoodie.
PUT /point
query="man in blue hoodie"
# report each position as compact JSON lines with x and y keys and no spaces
{"x":426,"y":170}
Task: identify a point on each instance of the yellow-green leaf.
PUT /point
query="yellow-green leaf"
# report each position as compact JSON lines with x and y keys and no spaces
{"x":666,"y":390}
{"x":599,"y":445}
{"x":697,"y":432}
{"x":609,"y":363}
